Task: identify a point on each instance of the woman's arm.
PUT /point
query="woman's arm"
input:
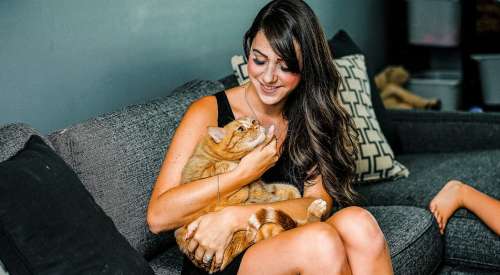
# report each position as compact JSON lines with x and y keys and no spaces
{"x":296,"y":208}
{"x":173,"y":204}
{"x":212,"y":232}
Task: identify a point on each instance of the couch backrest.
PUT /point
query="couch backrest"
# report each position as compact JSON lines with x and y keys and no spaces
{"x":117,"y":156}
{"x":13,"y":138}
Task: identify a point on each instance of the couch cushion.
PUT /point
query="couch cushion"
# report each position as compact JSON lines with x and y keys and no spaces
{"x":13,"y":137}
{"x":49,"y":223}
{"x":413,"y":238}
{"x":118,"y":156}
{"x":468,"y":241}
{"x":168,"y":262}
{"x":375,"y":159}
{"x":411,"y":233}
{"x":463,"y":270}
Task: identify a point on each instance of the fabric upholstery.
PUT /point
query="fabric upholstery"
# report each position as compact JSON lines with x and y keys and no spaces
{"x":412,"y":236}
{"x":463,"y":270}
{"x":118,"y":155}
{"x":13,"y":137}
{"x":168,"y":262}
{"x":470,"y":242}
{"x":49,"y":223}
{"x":341,"y":44}
{"x":467,"y":239}
{"x":428,"y":131}
{"x":375,"y":160}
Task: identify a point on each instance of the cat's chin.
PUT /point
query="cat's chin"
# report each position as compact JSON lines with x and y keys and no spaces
{"x":260,"y":138}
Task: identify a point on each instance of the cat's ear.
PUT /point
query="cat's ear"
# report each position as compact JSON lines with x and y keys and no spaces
{"x":216,"y":133}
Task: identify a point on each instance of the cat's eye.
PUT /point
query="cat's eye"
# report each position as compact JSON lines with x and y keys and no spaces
{"x":241,"y":129}
{"x":254,"y":122}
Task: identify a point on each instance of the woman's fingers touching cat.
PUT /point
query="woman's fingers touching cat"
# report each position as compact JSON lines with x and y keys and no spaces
{"x":219,"y":256}
{"x":191,"y":229}
{"x":193,"y":244}
{"x":198,"y":254}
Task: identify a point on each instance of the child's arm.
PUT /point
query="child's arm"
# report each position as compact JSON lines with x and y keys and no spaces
{"x":484,"y":206}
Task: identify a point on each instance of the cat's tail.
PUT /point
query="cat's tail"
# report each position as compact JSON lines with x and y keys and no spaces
{"x":268,"y":222}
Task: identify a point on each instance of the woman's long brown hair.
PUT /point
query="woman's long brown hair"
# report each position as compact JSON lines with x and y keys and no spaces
{"x":321,"y":138}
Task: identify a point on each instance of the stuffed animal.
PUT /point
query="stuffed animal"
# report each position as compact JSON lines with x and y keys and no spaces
{"x":390,"y":85}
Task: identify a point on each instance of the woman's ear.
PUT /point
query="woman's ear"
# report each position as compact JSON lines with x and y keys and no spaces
{"x":216,"y":133}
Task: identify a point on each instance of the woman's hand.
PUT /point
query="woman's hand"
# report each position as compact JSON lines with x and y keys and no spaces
{"x":258,"y":161}
{"x":210,"y":234}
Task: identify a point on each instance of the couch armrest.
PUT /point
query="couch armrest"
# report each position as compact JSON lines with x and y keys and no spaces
{"x":431,"y":131}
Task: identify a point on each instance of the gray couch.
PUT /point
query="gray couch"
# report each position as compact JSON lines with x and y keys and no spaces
{"x":117,"y":157}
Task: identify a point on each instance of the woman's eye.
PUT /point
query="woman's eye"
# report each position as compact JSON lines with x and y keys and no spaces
{"x":258,"y":62}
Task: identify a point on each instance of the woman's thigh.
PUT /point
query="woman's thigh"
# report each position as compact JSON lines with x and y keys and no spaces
{"x":311,"y":248}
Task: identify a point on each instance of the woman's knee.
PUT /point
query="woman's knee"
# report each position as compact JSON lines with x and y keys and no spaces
{"x":322,"y":239}
{"x":320,"y":243}
{"x":359,"y":229}
{"x":317,"y":242}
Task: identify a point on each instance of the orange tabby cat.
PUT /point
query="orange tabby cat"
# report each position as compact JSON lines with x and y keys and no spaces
{"x":219,"y":152}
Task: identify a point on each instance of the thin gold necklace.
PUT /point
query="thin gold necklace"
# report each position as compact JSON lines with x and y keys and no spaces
{"x":278,"y":135}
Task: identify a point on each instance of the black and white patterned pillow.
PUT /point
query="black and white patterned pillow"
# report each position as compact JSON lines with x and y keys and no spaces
{"x":375,"y":160}
{"x":239,"y":64}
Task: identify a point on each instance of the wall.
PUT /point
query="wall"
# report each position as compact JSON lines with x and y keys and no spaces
{"x":64,"y":61}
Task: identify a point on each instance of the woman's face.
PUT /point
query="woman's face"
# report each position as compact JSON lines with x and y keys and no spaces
{"x":269,"y":73}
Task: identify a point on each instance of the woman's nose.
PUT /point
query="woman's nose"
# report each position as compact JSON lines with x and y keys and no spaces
{"x":270,"y":74}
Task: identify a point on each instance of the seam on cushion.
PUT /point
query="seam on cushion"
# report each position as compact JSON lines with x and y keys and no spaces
{"x":438,"y":266}
{"x":460,"y":260}
{"x":429,"y":225}
{"x":463,"y":260}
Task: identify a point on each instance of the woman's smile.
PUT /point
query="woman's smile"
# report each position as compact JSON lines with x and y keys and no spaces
{"x":269,"y":89}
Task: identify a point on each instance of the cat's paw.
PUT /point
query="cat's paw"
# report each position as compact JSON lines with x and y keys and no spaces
{"x":316,"y":210}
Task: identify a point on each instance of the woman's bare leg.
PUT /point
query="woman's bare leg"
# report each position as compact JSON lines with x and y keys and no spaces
{"x":456,"y":194}
{"x":365,"y":244}
{"x":310,"y":249}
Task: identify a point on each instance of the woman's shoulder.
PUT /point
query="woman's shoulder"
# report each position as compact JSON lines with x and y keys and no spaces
{"x":235,"y":98}
{"x":208,"y":105}
{"x":202,"y":111}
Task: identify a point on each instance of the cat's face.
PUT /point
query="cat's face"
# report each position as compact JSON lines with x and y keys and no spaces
{"x":237,"y":138}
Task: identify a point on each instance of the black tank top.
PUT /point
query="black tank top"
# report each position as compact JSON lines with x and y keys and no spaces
{"x":277,"y":173}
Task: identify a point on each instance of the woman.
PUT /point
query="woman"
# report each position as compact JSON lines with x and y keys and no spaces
{"x":293,"y":86}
